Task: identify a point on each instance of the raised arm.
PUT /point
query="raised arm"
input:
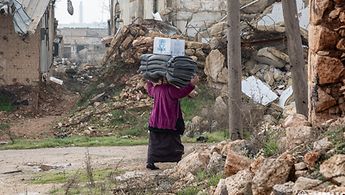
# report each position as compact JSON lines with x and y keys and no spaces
{"x":149,"y":88}
{"x":178,"y":93}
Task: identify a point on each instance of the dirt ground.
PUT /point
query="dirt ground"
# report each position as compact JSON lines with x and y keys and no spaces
{"x":26,"y":121}
{"x":17,"y":167}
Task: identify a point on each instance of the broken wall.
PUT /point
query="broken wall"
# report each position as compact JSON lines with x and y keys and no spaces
{"x":193,"y":16}
{"x":188,"y":16}
{"x":131,"y":9}
{"x":326,"y":59}
{"x":19,"y":59}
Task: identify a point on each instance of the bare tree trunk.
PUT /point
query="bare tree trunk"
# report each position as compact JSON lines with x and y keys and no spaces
{"x":299,"y":76}
{"x":235,"y":70}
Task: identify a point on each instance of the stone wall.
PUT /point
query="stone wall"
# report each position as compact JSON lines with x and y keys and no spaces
{"x":326,"y":59}
{"x":19,"y":59}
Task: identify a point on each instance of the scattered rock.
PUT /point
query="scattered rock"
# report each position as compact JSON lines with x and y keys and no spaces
{"x":192,"y":163}
{"x":334,"y":168}
{"x":215,"y":68}
{"x":323,"y":145}
{"x":216,"y":163}
{"x":236,"y":184}
{"x":296,"y":120}
{"x":281,"y":189}
{"x":272,"y":172}
{"x":266,"y":55}
{"x":311,"y":158}
{"x":304,"y":183}
{"x":300,"y":166}
{"x":235,"y":163}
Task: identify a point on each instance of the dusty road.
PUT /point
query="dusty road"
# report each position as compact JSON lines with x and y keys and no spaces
{"x":18,"y":166}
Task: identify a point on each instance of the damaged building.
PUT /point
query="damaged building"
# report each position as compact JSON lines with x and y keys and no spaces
{"x":188,"y":16}
{"x":82,"y":44}
{"x":27,"y":31}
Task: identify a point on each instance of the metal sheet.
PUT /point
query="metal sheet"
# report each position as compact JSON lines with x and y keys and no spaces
{"x":27,"y":15}
{"x":35,"y":10}
{"x":21,"y":20}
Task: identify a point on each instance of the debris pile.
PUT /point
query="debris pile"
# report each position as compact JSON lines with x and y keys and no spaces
{"x":264,"y":49}
{"x":95,"y":119}
{"x":131,"y":41}
{"x":312,"y":165}
{"x":81,"y":74}
{"x":266,"y":70}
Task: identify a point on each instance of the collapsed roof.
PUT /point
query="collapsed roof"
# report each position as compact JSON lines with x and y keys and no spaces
{"x":26,"y":13}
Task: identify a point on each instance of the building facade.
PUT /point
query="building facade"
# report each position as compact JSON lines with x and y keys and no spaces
{"x":83,"y":45}
{"x":191,"y":17}
{"x":26,"y":46}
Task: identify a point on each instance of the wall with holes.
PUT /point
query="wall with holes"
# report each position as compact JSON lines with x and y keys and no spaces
{"x":19,"y":59}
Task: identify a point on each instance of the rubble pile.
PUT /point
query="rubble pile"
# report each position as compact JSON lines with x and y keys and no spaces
{"x":292,"y":170}
{"x":264,"y":51}
{"x":95,"y":118}
{"x":264,"y":58}
{"x":327,"y":46}
{"x":131,"y":41}
{"x":83,"y":74}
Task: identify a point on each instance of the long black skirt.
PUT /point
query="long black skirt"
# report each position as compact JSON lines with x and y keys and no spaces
{"x":164,"y":146}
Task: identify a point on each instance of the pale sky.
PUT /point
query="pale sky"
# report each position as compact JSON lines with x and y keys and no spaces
{"x":93,"y":11}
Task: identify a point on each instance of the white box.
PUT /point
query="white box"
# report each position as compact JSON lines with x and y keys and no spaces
{"x":167,"y":46}
{"x":178,"y":47}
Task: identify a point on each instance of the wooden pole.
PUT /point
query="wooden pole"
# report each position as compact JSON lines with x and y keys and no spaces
{"x":235,"y":70}
{"x":141,"y":11}
{"x":298,"y":72}
{"x":112,"y":17}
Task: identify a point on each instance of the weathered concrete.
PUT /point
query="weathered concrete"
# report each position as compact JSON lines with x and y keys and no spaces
{"x":19,"y":59}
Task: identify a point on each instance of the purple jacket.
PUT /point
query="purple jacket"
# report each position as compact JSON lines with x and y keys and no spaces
{"x":166,"y":106}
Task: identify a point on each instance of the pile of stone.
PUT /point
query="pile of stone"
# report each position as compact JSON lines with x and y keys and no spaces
{"x":264,"y":56}
{"x":264,"y":46}
{"x":131,"y":41}
{"x":327,"y":47}
{"x":291,"y":170}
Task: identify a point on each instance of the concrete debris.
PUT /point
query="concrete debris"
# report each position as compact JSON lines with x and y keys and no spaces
{"x":68,"y":72}
{"x":285,"y":95}
{"x":258,"y":91}
{"x":56,"y":80}
{"x":272,"y":18}
{"x":136,"y":39}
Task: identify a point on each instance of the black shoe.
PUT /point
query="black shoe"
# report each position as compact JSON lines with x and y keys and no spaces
{"x":151,"y":166}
